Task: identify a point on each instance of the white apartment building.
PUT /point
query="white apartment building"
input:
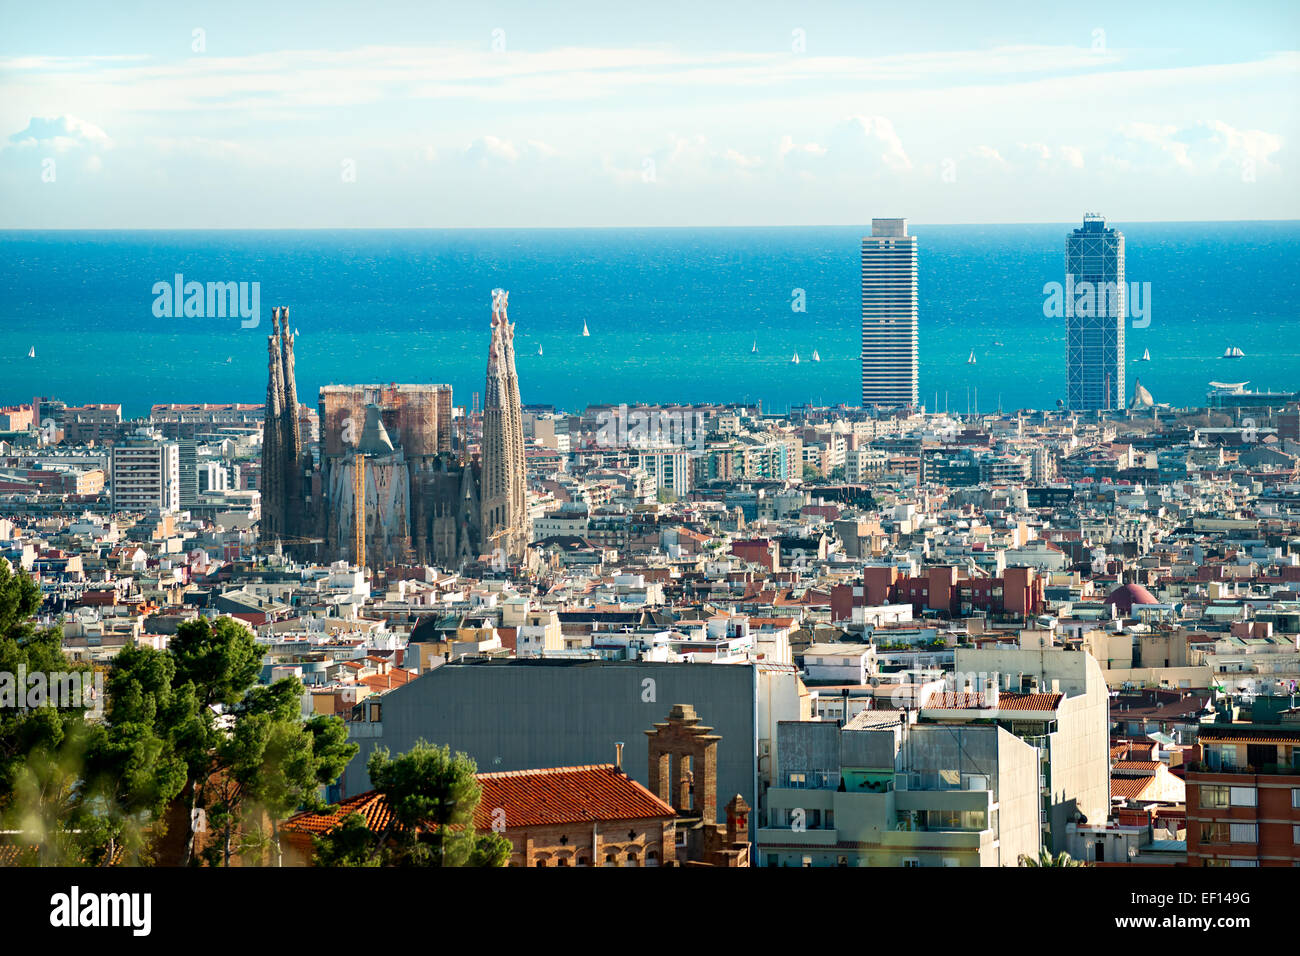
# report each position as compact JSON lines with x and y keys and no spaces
{"x":146,"y":476}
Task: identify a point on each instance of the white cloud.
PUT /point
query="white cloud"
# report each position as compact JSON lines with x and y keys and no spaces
{"x":869,"y":140}
{"x":1204,"y":146}
{"x":487,"y":148}
{"x":61,"y":133}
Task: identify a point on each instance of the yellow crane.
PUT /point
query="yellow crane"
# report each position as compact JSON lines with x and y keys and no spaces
{"x":359,"y":506}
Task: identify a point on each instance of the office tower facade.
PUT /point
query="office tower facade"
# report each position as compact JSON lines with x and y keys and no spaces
{"x":1095,"y":311}
{"x":504,"y":510}
{"x":889,"y":315}
{"x":146,"y":476}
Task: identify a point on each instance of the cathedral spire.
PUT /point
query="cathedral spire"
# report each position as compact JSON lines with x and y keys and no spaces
{"x":502,"y":504}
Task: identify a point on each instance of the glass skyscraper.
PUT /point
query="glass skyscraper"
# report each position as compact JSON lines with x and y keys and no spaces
{"x":889,"y":329}
{"x":1095,"y":312}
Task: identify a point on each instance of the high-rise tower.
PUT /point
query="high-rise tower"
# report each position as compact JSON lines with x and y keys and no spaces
{"x":1095,"y":311}
{"x":889,"y":315}
{"x":503,"y":507}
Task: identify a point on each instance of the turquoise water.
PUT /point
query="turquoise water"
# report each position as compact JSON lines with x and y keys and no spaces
{"x":673,"y":313}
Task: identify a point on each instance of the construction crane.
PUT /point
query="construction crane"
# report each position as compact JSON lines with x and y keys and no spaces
{"x":359,"y":506}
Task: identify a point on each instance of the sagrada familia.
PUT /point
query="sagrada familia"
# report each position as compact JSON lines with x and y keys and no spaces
{"x":426,"y":498}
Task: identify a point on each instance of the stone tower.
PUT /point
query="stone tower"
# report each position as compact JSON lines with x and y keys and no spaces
{"x":502,"y":504}
{"x":282,"y":445}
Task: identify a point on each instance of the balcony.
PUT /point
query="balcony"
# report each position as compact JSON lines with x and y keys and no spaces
{"x":1263,"y":770}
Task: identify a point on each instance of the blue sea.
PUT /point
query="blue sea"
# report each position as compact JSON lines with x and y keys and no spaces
{"x":673,"y":313}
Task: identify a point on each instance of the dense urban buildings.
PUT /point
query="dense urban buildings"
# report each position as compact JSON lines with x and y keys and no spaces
{"x":713,"y":634}
{"x":889,"y":315}
{"x":1095,"y":314}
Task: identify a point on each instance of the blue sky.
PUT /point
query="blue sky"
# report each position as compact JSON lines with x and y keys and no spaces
{"x":294,"y":114}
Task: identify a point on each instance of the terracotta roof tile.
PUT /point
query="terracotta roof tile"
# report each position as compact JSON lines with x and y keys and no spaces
{"x":566,"y":795}
{"x":1130,"y":788}
{"x":556,"y":795}
{"x":968,"y":700}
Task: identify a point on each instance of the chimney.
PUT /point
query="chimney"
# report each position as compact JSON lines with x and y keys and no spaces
{"x":618,"y":756}
{"x":991,"y":690}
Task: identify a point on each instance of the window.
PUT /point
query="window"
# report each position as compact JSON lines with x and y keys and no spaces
{"x":1215,"y":833}
{"x":1295,"y":798}
{"x":911,"y":862}
{"x":1214,"y":797}
{"x":951,"y":861}
{"x":1244,"y":833}
{"x":1295,"y":833}
{"x":1243,"y":796}
{"x":1243,"y":863}
{"x":797,"y":781}
{"x":807,"y":861}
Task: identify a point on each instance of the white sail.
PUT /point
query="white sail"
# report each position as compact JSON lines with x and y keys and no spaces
{"x":539,"y":350}
{"x":971,"y":360}
{"x":584,"y":327}
{"x":32,"y":352}
{"x":755,"y":347}
{"x":816,"y":357}
{"x":1146,"y":355}
{"x":795,"y":360}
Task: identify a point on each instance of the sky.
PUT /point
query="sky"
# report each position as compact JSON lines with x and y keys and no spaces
{"x":543,"y":114}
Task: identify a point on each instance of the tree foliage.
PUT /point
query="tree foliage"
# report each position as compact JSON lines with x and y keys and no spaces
{"x":189,"y":725}
{"x":431,"y":794}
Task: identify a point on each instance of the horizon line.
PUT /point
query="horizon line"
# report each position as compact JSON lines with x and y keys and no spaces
{"x":517,"y":228}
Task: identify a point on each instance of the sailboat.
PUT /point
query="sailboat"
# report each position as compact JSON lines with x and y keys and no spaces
{"x":539,"y":350}
{"x":816,"y":357}
{"x":971,"y":360}
{"x":1233,"y":352}
{"x":1146,"y":355}
{"x":584,"y":327}
{"x":31,"y":353}
{"x":754,"y":350}
{"x":795,"y":360}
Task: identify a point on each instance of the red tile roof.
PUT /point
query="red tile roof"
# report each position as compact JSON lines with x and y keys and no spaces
{"x":370,"y":805}
{"x":1130,"y":788}
{"x":555,"y":795}
{"x":967,"y":700}
{"x":565,"y":795}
